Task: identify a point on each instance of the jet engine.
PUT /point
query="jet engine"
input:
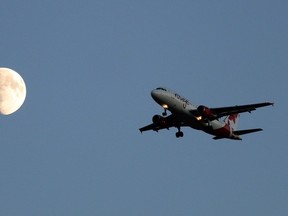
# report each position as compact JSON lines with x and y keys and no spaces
{"x":159,"y":120}
{"x":205,"y":112}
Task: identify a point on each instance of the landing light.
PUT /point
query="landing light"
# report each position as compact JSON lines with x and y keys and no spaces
{"x":199,"y":118}
{"x":165,"y":106}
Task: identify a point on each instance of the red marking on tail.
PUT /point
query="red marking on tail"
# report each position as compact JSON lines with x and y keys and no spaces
{"x":233,"y":118}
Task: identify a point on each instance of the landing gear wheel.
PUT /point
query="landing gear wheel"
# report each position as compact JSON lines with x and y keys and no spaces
{"x":179,"y":134}
{"x":164,"y":113}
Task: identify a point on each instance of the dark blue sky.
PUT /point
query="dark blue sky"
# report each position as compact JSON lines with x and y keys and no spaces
{"x":74,"y":147}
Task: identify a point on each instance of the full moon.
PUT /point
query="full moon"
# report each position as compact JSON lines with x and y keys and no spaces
{"x":12,"y":91}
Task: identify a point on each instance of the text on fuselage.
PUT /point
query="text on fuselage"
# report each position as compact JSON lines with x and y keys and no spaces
{"x":182,"y":99}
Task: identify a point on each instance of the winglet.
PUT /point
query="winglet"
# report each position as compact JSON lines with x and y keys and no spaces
{"x":269,"y":103}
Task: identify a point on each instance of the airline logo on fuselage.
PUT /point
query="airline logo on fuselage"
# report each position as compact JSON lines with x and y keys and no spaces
{"x":182,"y":99}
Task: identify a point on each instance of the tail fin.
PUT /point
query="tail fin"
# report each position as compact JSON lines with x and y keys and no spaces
{"x":232,"y":121}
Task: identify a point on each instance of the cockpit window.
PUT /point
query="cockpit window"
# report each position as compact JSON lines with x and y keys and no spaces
{"x":160,"y":88}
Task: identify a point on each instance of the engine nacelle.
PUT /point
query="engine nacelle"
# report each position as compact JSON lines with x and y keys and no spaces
{"x":159,"y":120}
{"x":205,"y":112}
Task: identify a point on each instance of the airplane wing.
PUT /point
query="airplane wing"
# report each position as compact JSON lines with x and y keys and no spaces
{"x":225,"y":111}
{"x":163,"y":123}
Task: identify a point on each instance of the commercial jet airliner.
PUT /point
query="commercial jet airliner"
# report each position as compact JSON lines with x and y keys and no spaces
{"x":185,"y":114}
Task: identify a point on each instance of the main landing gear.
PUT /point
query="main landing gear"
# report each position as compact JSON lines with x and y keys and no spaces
{"x":179,"y":133}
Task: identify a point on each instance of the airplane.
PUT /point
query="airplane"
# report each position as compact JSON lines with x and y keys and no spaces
{"x":185,"y":114}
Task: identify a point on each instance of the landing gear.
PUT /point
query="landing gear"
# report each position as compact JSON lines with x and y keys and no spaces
{"x":179,"y":133}
{"x":165,"y":107}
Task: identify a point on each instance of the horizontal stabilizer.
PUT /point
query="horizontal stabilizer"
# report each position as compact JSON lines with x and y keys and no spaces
{"x":217,"y":138}
{"x":241,"y":132}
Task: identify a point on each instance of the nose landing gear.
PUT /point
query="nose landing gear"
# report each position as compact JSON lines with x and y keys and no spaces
{"x":165,"y":107}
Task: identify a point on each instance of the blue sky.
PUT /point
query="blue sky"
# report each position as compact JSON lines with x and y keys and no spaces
{"x":74,"y":147}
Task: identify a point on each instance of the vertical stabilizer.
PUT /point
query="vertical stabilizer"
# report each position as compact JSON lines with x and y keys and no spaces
{"x":232,"y":121}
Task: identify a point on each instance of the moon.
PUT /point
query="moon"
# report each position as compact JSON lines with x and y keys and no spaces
{"x":12,"y":91}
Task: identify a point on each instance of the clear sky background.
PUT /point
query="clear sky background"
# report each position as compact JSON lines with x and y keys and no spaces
{"x":74,"y":147}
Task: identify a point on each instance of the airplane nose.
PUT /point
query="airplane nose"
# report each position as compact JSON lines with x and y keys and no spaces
{"x":154,"y":94}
